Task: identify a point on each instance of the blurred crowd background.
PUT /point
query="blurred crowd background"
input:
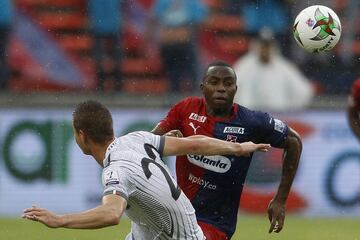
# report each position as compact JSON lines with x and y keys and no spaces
{"x":162,"y":46}
{"x":140,"y":56}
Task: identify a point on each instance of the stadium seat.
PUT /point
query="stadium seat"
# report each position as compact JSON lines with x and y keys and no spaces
{"x":237,"y":45}
{"x":214,"y":4}
{"x":141,"y":85}
{"x":224,"y":23}
{"x":141,"y":66}
{"x":75,"y":43}
{"x":58,"y":20}
{"x":132,"y":42}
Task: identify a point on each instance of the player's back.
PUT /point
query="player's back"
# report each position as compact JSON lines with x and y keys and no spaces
{"x":159,"y":209}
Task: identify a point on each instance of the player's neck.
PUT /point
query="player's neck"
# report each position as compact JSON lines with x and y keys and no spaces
{"x":98,"y":151}
{"x":220,"y":112}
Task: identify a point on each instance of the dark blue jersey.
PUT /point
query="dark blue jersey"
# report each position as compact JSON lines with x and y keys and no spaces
{"x":214,"y":183}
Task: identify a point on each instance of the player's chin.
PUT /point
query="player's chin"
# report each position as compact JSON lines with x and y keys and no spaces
{"x":221,"y":102}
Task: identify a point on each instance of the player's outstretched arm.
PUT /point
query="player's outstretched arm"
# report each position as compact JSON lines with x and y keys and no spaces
{"x":292,"y":151}
{"x":107,"y":214}
{"x":203,"y":145}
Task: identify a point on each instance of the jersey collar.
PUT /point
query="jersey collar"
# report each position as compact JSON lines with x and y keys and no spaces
{"x":111,"y":146}
{"x":225,"y":119}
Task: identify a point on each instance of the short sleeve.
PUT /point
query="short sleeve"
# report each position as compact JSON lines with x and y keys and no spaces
{"x":115,"y":181}
{"x":155,"y":140}
{"x":271,"y":130}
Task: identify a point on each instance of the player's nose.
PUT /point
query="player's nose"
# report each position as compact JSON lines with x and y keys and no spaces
{"x":220,"y":87}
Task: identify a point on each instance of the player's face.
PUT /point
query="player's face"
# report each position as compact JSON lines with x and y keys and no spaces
{"x":219,"y":87}
{"x":80,"y":139}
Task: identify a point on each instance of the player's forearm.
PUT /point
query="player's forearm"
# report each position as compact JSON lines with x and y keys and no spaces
{"x":99,"y":217}
{"x":203,"y":145}
{"x":291,"y":160}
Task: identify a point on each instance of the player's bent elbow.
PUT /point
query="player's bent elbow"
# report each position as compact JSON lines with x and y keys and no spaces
{"x":113,"y":219}
{"x":112,"y":216}
{"x":295,"y":139}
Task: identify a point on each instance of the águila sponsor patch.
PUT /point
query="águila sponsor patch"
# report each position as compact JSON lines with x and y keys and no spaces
{"x":236,"y":130}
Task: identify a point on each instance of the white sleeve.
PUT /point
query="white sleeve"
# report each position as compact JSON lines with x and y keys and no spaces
{"x":115,"y":181}
{"x":152,"y":139}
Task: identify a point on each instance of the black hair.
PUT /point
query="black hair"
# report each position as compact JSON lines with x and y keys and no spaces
{"x":217,"y":63}
{"x":95,"y":120}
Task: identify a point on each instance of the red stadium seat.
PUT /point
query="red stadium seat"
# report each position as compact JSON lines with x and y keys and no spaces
{"x":141,"y":66}
{"x":220,"y":22}
{"x":132,"y":42}
{"x":75,"y":43}
{"x":141,"y":85}
{"x":58,"y":20}
{"x":215,"y":4}
{"x":237,"y":45}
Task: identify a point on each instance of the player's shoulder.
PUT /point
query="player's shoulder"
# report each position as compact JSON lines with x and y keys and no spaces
{"x":244,"y":112}
{"x":137,"y":137}
{"x":249,"y":116}
{"x":189,"y":104}
{"x":137,"y":134}
{"x":191,"y":101}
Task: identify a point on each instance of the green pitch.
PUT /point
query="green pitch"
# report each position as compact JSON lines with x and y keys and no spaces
{"x":254,"y":228}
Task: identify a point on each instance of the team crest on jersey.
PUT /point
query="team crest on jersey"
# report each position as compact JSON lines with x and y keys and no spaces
{"x":237,"y":130}
{"x":111,"y":177}
{"x":279,"y":125}
{"x":197,"y":117}
{"x":231,"y":138}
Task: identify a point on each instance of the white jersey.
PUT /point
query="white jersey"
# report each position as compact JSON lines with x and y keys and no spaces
{"x":158,"y":208}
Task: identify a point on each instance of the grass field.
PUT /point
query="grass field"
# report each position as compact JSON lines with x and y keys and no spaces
{"x":249,"y":228}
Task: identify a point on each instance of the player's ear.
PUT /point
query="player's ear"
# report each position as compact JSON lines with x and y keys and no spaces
{"x":202,"y":87}
{"x":82,"y":136}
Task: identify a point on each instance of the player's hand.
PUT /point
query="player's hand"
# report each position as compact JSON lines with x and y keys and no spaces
{"x":42,"y":215}
{"x":276,"y":214}
{"x":248,"y":147}
{"x":174,"y":133}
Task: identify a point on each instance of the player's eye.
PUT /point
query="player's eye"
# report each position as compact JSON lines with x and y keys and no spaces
{"x":228,"y":83}
{"x":212,"y":81}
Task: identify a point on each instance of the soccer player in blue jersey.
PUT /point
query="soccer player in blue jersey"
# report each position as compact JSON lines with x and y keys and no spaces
{"x":214,"y":183}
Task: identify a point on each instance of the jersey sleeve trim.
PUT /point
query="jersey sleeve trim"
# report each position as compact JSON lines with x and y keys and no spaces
{"x":161,"y":145}
{"x":116,"y":192}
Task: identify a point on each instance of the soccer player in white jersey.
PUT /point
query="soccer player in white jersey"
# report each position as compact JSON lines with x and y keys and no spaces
{"x":135,"y":179}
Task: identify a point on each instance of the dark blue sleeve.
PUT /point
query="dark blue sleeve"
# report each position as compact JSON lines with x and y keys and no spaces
{"x":270,"y":130}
